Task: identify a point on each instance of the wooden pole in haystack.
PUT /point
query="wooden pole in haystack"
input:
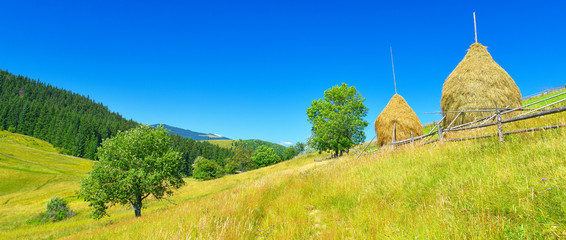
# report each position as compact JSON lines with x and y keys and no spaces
{"x":475,"y":28}
{"x":393,"y":135}
{"x":393,"y":67}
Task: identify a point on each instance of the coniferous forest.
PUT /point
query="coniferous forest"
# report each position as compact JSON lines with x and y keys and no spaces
{"x":69,"y":121}
{"x":74,"y":123}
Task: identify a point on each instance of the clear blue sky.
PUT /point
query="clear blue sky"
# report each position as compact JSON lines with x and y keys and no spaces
{"x":250,"y":69}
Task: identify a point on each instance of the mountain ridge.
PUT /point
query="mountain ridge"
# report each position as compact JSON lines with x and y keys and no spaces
{"x":186,"y":133}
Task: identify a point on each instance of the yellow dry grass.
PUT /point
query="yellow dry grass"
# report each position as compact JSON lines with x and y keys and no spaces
{"x":468,"y":190}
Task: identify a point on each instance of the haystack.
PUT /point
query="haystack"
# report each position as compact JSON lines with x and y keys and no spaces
{"x":477,"y":82}
{"x":398,"y":113}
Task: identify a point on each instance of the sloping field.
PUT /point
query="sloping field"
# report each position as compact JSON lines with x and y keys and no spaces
{"x":474,"y":189}
{"x":222,"y":143}
{"x":31,"y":172}
{"x":549,"y":101}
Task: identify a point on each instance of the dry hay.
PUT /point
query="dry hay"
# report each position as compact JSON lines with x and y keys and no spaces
{"x":477,"y":82}
{"x":397,"y":112}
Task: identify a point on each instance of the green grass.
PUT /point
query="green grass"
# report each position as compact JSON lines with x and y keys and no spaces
{"x":544,"y":103}
{"x":29,"y":177}
{"x":427,"y":127}
{"x":474,"y":189}
{"x":31,"y":172}
{"x":224,"y":143}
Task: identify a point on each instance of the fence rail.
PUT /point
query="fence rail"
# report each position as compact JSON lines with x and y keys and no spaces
{"x":547,"y":91}
{"x":485,"y":122}
{"x":498,"y":121}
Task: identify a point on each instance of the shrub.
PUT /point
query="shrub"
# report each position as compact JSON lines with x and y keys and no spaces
{"x":12,"y":129}
{"x":56,"y":210}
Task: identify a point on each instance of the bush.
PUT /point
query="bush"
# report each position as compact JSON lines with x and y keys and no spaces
{"x":265,"y":156}
{"x":56,"y":210}
{"x":12,"y":129}
{"x":206,"y":169}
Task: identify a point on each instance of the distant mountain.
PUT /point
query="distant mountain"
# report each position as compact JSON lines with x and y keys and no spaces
{"x":192,"y":135}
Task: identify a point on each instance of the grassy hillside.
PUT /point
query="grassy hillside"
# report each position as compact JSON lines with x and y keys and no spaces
{"x":544,"y":103}
{"x":474,"y":189}
{"x":430,"y":126}
{"x":31,"y":172}
{"x":254,"y":143}
{"x":222,"y":143}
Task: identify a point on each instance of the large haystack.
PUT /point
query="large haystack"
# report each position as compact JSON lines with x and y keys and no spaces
{"x":398,"y":113}
{"x":477,"y":82}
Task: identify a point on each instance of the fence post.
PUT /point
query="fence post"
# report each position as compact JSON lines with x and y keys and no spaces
{"x":412,"y":139}
{"x":439,"y":129}
{"x":499,"y":126}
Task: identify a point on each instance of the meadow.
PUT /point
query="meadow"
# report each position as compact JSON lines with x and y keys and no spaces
{"x":222,"y":143}
{"x":475,"y":189}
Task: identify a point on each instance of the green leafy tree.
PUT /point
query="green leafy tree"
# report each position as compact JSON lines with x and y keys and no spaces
{"x":206,"y":169}
{"x":337,"y":119}
{"x":242,"y":157}
{"x":294,"y":150}
{"x":132,"y":166}
{"x":290,"y":152}
{"x":265,"y":156}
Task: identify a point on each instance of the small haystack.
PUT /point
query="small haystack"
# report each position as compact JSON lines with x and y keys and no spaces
{"x":477,"y":82}
{"x":398,"y":113}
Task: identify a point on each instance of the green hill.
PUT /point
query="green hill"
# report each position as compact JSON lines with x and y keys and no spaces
{"x":67,"y":120}
{"x":474,"y":189}
{"x":31,"y":172}
{"x":254,"y":143}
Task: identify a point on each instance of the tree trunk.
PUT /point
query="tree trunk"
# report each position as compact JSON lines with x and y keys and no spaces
{"x":137,"y":207}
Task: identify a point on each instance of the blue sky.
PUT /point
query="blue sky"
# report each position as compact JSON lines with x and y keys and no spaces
{"x":250,"y":69}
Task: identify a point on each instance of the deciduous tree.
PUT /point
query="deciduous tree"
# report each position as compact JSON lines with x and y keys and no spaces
{"x":265,"y":156}
{"x":132,"y":166}
{"x":337,"y":119}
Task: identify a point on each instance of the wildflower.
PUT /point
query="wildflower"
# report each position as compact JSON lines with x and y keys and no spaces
{"x":544,"y":179}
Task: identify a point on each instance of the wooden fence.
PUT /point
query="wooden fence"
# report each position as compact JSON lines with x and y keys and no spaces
{"x":494,"y":120}
{"x":547,"y":91}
